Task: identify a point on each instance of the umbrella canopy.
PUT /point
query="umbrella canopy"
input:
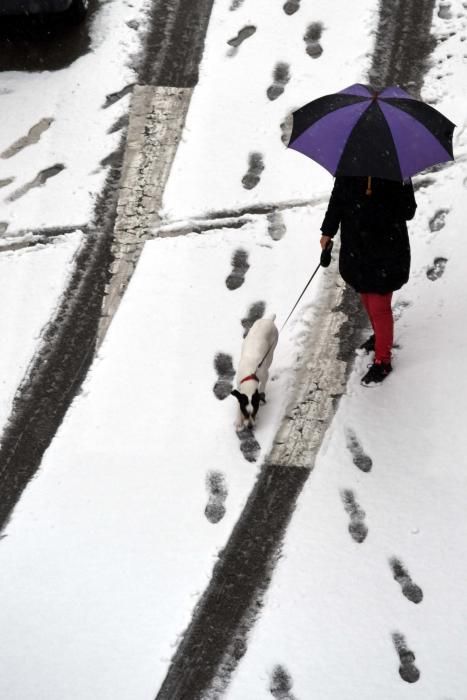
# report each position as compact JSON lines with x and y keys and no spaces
{"x":386,"y":134}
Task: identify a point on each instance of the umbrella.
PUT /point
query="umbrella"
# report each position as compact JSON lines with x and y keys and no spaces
{"x":386,"y":134}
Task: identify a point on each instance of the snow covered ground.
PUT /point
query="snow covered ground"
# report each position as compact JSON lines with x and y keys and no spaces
{"x":57,"y":131}
{"x":109,"y":549}
{"x":60,"y":124}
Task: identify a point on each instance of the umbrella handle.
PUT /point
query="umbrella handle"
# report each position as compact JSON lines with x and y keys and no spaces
{"x":325,"y":258}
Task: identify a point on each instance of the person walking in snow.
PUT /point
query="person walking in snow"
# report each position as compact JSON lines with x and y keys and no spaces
{"x":375,"y":252}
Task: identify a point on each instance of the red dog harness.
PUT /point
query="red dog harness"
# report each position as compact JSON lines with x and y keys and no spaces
{"x":250,"y":376}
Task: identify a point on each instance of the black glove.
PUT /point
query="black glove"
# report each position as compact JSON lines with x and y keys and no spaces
{"x":325,"y":258}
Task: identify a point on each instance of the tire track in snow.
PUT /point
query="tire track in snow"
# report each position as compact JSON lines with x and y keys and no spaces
{"x":174,"y":45}
{"x":216,"y":639}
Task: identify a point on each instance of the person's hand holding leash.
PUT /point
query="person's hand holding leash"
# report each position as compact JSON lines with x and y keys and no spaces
{"x":326,"y":245}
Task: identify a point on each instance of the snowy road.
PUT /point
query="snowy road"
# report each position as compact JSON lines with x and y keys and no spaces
{"x":164,"y":561}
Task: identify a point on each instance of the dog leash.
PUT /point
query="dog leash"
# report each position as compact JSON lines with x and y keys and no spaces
{"x":324,"y":261}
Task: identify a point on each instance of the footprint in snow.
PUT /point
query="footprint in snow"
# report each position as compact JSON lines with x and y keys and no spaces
{"x":407,"y":669}
{"x":437,"y":269}
{"x":444,"y":11}
{"x":255,"y":168}
{"x":243,"y":34}
{"x":409,"y":589}
{"x":255,"y":312}
{"x":240,"y":267}
{"x":360,"y":459}
{"x":32,"y":137}
{"x":6,"y":181}
{"x":311,"y":39}
{"x":281,"y":684}
{"x":114,"y":97}
{"x":276,"y":225}
{"x":236,"y":4}
{"x":291,"y":6}
{"x":286,"y":129}
{"x":225,"y":372}
{"x":121,"y":123}
{"x":357,"y":527}
{"x":399,"y":308}
{"x":439,"y":220}
{"x":281,"y":77}
{"x":40,"y":179}
{"x":3,"y":227}
{"x":249,"y":445}
{"x":217,"y":489}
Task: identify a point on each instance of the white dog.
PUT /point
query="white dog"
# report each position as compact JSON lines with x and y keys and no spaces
{"x":253,"y":370}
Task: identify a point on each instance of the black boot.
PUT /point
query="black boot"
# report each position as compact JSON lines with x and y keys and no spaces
{"x":377,"y":373}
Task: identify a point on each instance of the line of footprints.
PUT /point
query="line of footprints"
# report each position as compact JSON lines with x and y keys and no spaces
{"x":280,"y":78}
{"x":358,"y":530}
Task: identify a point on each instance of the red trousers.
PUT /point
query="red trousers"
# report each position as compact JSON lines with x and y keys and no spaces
{"x":378,"y":308}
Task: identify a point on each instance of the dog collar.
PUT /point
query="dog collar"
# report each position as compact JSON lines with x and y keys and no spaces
{"x":250,"y":376}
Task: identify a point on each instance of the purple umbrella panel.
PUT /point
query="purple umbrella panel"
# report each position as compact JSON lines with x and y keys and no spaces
{"x":357,"y":132}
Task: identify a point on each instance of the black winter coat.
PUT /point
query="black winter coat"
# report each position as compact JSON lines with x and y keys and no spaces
{"x":375,"y":250}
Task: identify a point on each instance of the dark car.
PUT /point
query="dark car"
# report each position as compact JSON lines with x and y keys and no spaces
{"x":74,"y":10}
